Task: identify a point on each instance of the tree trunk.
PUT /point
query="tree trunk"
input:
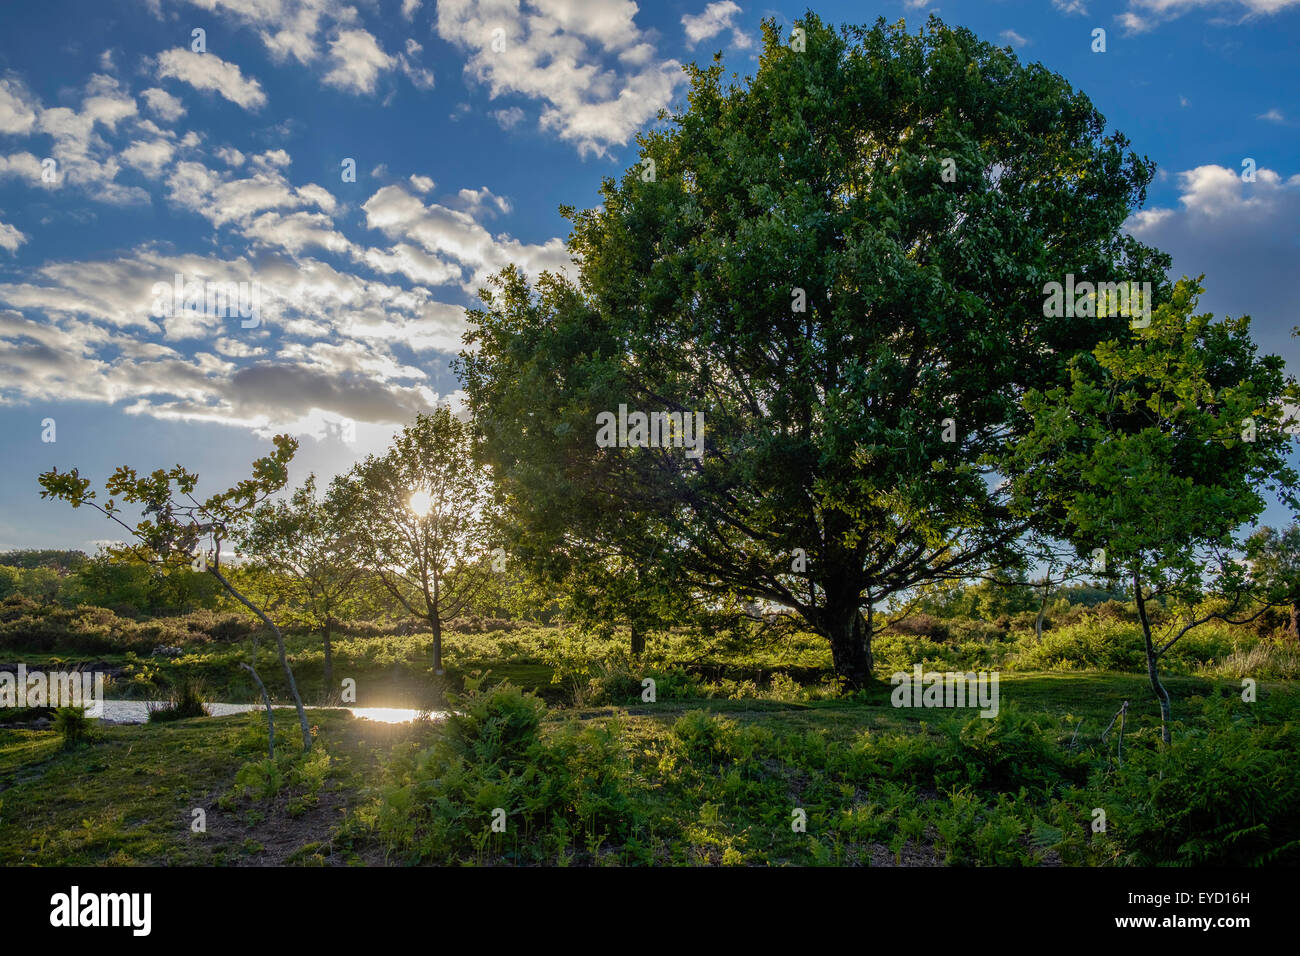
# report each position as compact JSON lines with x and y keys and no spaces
{"x":1153,"y":660}
{"x":850,"y":637}
{"x":1038,"y":622}
{"x":266,"y":699}
{"x":279,"y":643}
{"x":329,"y":660}
{"x":1295,"y":622}
{"x":293,"y":689}
{"x":435,"y":625}
{"x":638,"y":640}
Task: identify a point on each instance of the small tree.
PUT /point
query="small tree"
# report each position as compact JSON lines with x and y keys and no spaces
{"x":176,"y":525}
{"x":1152,"y":458}
{"x":310,"y":560}
{"x":1275,"y":563}
{"x":418,"y":517}
{"x":607,"y":589}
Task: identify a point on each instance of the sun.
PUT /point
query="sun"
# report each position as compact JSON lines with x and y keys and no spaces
{"x":420,"y":503}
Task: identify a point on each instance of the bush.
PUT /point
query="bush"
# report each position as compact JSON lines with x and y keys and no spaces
{"x":920,"y":625}
{"x":699,"y":735}
{"x":1090,"y":643}
{"x":1223,"y":796}
{"x":72,"y":724}
{"x":1273,"y":659}
{"x":1015,"y":749}
{"x":492,"y":764}
{"x":187,"y":699}
{"x":498,"y":726}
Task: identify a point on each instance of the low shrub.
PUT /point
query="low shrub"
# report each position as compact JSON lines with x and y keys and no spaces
{"x":491,"y":787}
{"x":186,"y":699}
{"x":1225,"y":794}
{"x":72,"y":724}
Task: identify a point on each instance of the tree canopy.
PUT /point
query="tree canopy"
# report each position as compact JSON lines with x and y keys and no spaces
{"x":839,"y":264}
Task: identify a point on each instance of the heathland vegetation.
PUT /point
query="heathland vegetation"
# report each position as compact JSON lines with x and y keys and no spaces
{"x":626,"y":641}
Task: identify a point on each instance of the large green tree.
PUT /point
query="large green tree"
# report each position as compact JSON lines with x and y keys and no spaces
{"x":840,"y":263}
{"x":1162,"y":446}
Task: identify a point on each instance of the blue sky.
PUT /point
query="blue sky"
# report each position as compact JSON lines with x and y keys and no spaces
{"x":469,"y":124}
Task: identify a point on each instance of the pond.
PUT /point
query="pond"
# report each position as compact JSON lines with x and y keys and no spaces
{"x":137,"y":711}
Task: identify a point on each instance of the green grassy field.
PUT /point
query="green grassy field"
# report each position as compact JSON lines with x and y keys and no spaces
{"x":687,"y":780}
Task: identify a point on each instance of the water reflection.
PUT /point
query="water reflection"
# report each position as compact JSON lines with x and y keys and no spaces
{"x":137,"y":711}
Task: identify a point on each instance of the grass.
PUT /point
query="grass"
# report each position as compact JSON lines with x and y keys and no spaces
{"x":128,"y":796}
{"x":710,"y":773}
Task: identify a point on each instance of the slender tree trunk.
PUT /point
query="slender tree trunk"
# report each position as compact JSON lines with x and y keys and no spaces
{"x":293,"y":689}
{"x":1153,"y":660}
{"x":329,"y":659}
{"x":435,"y":625}
{"x":638,"y":640}
{"x":279,"y":643}
{"x":1042,"y":612}
{"x":266,"y":699}
{"x":1295,"y":622}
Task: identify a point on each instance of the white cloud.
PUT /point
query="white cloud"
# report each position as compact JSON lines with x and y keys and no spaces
{"x":295,"y":232}
{"x":318,"y":196}
{"x":457,"y":235}
{"x":356,"y":60}
{"x":421,"y":183}
{"x":716,"y":18}
{"x":1013,"y":38}
{"x":1243,"y":237}
{"x":23,"y":166}
{"x":230,"y":156}
{"x":557,"y":51}
{"x":82,"y":158}
{"x":163,"y":104}
{"x":271,"y":159}
{"x":482,"y":200}
{"x":149,"y":157}
{"x":17,"y":107}
{"x":420,"y":78}
{"x":311,"y":31}
{"x":1273,"y":116}
{"x":1132,"y":23}
{"x":1145,"y":220}
{"x":324,"y":345}
{"x":416,"y":264}
{"x":1069,"y":7}
{"x":237,"y":348}
{"x":11,"y":237}
{"x":207,"y":71}
{"x":508,"y":118}
{"x":1146,"y":15}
